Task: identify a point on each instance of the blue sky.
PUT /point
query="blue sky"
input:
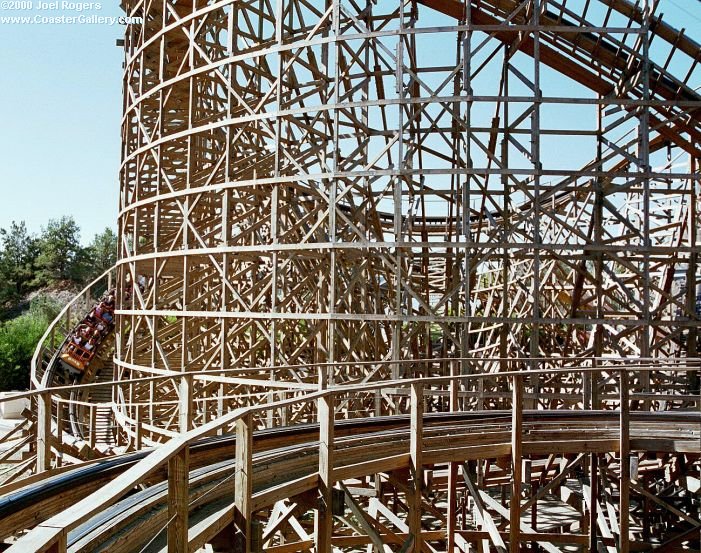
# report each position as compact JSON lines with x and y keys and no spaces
{"x":59,"y":122}
{"x":60,"y":116}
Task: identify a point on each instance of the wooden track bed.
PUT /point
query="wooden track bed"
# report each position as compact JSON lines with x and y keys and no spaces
{"x":287,"y":456}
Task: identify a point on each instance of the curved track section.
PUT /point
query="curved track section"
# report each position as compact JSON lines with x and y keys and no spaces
{"x":67,"y":423}
{"x":285,"y":464}
{"x":44,"y":368}
{"x":470,"y":437}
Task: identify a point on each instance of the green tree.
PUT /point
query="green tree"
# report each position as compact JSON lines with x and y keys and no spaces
{"x":60,"y":255}
{"x":18,"y":340}
{"x":18,"y":256}
{"x":101,"y":254}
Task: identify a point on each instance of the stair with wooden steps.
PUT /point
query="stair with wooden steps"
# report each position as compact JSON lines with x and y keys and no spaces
{"x":104,"y":429}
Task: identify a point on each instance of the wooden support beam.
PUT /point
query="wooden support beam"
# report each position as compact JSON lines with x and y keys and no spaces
{"x":281,"y":514}
{"x":185,"y":412}
{"x":365,"y":525}
{"x":561,"y":477}
{"x":594,"y":507}
{"x":453,"y":467}
{"x":552,"y":537}
{"x":516,"y":455}
{"x":323,"y":527}
{"x":92,"y":433}
{"x":673,"y":545}
{"x":624,"y":449}
{"x":178,"y":501}
{"x":243,"y":484}
{"x":60,"y":407}
{"x":484,"y":518}
{"x":593,"y":503}
{"x":662,"y":503}
{"x":415,"y":464}
{"x":139,"y":430}
{"x":452,"y":515}
{"x":525,"y":528}
{"x":43,"y":435}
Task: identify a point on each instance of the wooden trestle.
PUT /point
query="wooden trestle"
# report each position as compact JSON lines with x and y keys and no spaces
{"x":307,"y":183}
{"x":425,"y":273}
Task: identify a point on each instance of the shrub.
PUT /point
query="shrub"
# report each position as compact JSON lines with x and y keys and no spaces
{"x":18,"y":339}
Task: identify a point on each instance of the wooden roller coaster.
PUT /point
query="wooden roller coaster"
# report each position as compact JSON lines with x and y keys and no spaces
{"x":442,"y":473}
{"x":415,"y":275}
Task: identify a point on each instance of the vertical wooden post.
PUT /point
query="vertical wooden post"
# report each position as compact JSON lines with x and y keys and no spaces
{"x":324,"y":516}
{"x":284,"y":411}
{"x":153,"y":400}
{"x":178,"y":499}
{"x":532,"y":490}
{"x":624,"y":484}
{"x":43,"y":431}
{"x":243,"y":484}
{"x":220,"y":406}
{"x":185,"y":411}
{"x":516,"y":477}
{"x":452,"y":467}
{"x":593,"y":501}
{"x":59,"y":433}
{"x":92,"y":434}
{"x":378,"y":403}
{"x":139,"y":429}
{"x":452,"y":505}
{"x":587,"y":390}
{"x":454,"y":386}
{"x":415,"y":471}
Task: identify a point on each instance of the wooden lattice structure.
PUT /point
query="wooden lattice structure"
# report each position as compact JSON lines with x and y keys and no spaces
{"x":308,"y":182}
{"x":393,"y":276}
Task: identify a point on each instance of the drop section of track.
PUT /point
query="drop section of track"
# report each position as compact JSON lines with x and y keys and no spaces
{"x":77,"y":348}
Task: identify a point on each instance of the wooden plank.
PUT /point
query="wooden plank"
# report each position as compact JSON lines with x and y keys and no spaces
{"x":360,"y":516}
{"x":243,"y":486}
{"x":550,"y":537}
{"x":185,"y":413}
{"x":624,"y":449}
{"x":516,"y":467}
{"x":43,"y":431}
{"x":493,"y":504}
{"x":415,"y":464}
{"x":323,"y":522}
{"x":452,"y":514}
{"x":178,"y":501}
{"x":483,"y":516}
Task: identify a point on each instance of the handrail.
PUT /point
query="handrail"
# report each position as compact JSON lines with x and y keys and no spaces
{"x":37,"y":382}
{"x":54,"y":530}
{"x":131,"y":425}
{"x":655,"y":364}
